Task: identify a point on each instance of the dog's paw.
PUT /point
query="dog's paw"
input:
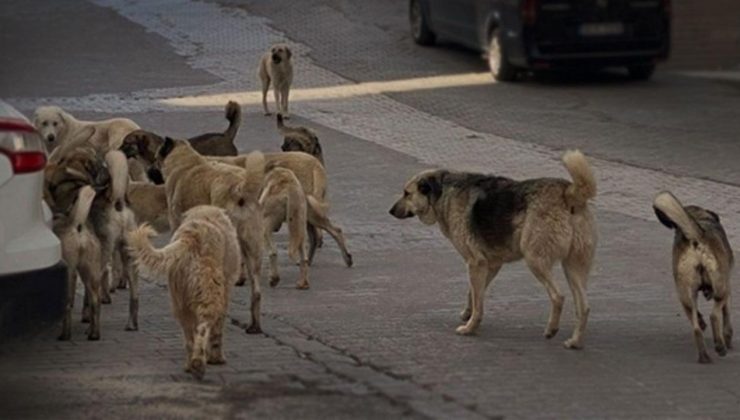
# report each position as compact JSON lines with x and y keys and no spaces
{"x":465,"y":330}
{"x":302,"y":285}
{"x":132,"y":326}
{"x":216,"y":360}
{"x":93,"y":336}
{"x":704,"y":358}
{"x":721,"y":350}
{"x":550,"y":333}
{"x":573,"y":344}
{"x":64,"y":336}
{"x":348,"y":260}
{"x":106,"y":300}
{"x":268,"y":113}
{"x":274,"y":280}
{"x":254,"y":329}
{"x":197,"y":368}
{"x":465,"y":315}
{"x":241,"y":281}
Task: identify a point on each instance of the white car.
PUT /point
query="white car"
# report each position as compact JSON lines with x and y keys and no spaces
{"x":32,"y":274}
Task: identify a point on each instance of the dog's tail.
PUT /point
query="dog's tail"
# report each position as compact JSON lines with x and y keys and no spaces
{"x":255,"y":166}
{"x":671,"y":213}
{"x":156,"y":261}
{"x":583,"y":187}
{"x":234,"y":116}
{"x":82,"y":208}
{"x":118,"y":168}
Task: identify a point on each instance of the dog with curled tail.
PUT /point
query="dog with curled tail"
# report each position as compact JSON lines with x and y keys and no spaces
{"x":201,"y":261}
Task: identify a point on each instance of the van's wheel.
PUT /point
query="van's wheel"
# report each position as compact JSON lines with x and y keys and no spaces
{"x":498,"y":61}
{"x":643,"y":72}
{"x":419,"y":26}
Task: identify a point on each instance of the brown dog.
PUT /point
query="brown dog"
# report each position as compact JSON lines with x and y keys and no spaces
{"x":276,"y":67}
{"x":702,"y":261}
{"x":200,"y":262}
{"x":300,"y":139}
{"x":494,"y":220}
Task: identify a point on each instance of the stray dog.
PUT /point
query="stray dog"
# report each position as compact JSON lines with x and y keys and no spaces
{"x":220,"y":144}
{"x":702,"y":261}
{"x":192,"y":180}
{"x":282,"y":200}
{"x":149,"y":204}
{"x":201,"y":262}
{"x":300,"y":139}
{"x":493,"y":220}
{"x":275,"y":67}
{"x":57,"y":126}
{"x":82,"y":253}
{"x":109,"y":215}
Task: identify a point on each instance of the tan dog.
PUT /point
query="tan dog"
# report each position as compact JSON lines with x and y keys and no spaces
{"x":149,"y":204}
{"x":494,"y":220}
{"x":57,"y":126}
{"x":276,"y":67}
{"x":81,"y":252}
{"x":192,"y":180}
{"x":282,"y":201}
{"x":200,"y":262}
{"x":300,"y":139}
{"x":110,"y":216}
{"x":702,"y":262}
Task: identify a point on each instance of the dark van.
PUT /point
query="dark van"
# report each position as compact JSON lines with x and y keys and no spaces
{"x":549,"y":34}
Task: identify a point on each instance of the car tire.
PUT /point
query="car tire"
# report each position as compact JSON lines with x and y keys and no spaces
{"x":498,"y":61}
{"x":420,"y":30}
{"x":643,"y":72}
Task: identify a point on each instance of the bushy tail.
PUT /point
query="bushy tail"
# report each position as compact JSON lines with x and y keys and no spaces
{"x":671,"y":213}
{"x":583,"y":186}
{"x":234,"y":116}
{"x":118,"y":168}
{"x":156,"y":261}
{"x":255,"y":166}
{"x":82,"y":208}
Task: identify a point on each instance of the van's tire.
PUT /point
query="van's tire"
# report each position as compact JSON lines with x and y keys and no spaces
{"x":420,"y":30}
{"x":498,"y":60}
{"x":642,"y":72}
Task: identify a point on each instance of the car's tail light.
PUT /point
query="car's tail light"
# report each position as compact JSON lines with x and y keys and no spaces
{"x":23,"y":148}
{"x":25,"y":162}
{"x":529,"y":12}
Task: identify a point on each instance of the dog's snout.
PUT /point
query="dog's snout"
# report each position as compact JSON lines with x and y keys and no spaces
{"x":276,"y":58}
{"x":50,"y":138}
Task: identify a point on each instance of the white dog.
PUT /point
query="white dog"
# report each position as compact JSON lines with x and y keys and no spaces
{"x":58,"y":127}
{"x":276,"y":68}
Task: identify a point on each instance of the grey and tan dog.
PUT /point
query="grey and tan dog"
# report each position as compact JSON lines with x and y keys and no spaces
{"x":300,"y":139}
{"x":702,"y":262}
{"x":201,"y":263}
{"x":494,"y":220}
{"x":276,"y":68}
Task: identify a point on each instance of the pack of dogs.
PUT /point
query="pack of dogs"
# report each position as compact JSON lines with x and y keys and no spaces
{"x":112,"y":186}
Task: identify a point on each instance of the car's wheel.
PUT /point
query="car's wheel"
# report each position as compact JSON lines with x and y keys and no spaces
{"x":643,"y":72}
{"x":498,"y":61}
{"x":419,"y":26}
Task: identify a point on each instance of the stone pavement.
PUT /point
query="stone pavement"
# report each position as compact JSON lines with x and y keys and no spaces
{"x":377,"y":340}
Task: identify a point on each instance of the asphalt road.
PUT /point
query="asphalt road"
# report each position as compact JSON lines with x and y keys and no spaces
{"x":377,"y":340}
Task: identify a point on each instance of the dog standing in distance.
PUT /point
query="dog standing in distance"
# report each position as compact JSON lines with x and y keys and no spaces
{"x":81,"y":252}
{"x":276,"y":67}
{"x":495,"y":220}
{"x":201,"y":262}
{"x":702,"y":262}
{"x":300,"y":139}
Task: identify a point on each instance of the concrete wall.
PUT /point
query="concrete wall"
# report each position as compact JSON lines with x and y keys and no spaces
{"x":706,"y":35}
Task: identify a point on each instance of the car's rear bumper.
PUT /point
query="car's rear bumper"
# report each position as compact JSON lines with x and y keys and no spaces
{"x":31,"y":300}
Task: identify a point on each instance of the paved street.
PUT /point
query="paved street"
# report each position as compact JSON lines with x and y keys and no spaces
{"x":377,"y":340}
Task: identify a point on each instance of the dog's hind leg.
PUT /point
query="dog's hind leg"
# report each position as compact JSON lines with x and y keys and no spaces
{"x":717,"y":331}
{"x":481,"y":274}
{"x":542,"y":270}
{"x":284,"y":101}
{"x":317,"y":218}
{"x":576,"y":271}
{"x":727,"y":323}
{"x":90,"y":276}
{"x":265,"y":87}
{"x":270,"y":242}
{"x":313,"y":241}
{"x":132,"y":276}
{"x":71,"y":290}
{"x":215,"y":344}
{"x":254,"y":263}
{"x":688,"y":302}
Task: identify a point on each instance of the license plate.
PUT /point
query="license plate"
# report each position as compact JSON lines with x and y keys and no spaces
{"x":601,"y":29}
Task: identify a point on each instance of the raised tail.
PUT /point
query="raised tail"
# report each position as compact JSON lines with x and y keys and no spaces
{"x":671,"y":213}
{"x":118,"y":168}
{"x":234,"y":116}
{"x":156,"y":261}
{"x":82,"y":207}
{"x":583,"y":186}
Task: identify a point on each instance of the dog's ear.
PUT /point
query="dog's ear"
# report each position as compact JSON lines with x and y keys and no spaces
{"x":288,"y":52}
{"x":714,"y":215}
{"x":155,"y":175}
{"x":431,"y":185}
{"x":166,"y":148}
